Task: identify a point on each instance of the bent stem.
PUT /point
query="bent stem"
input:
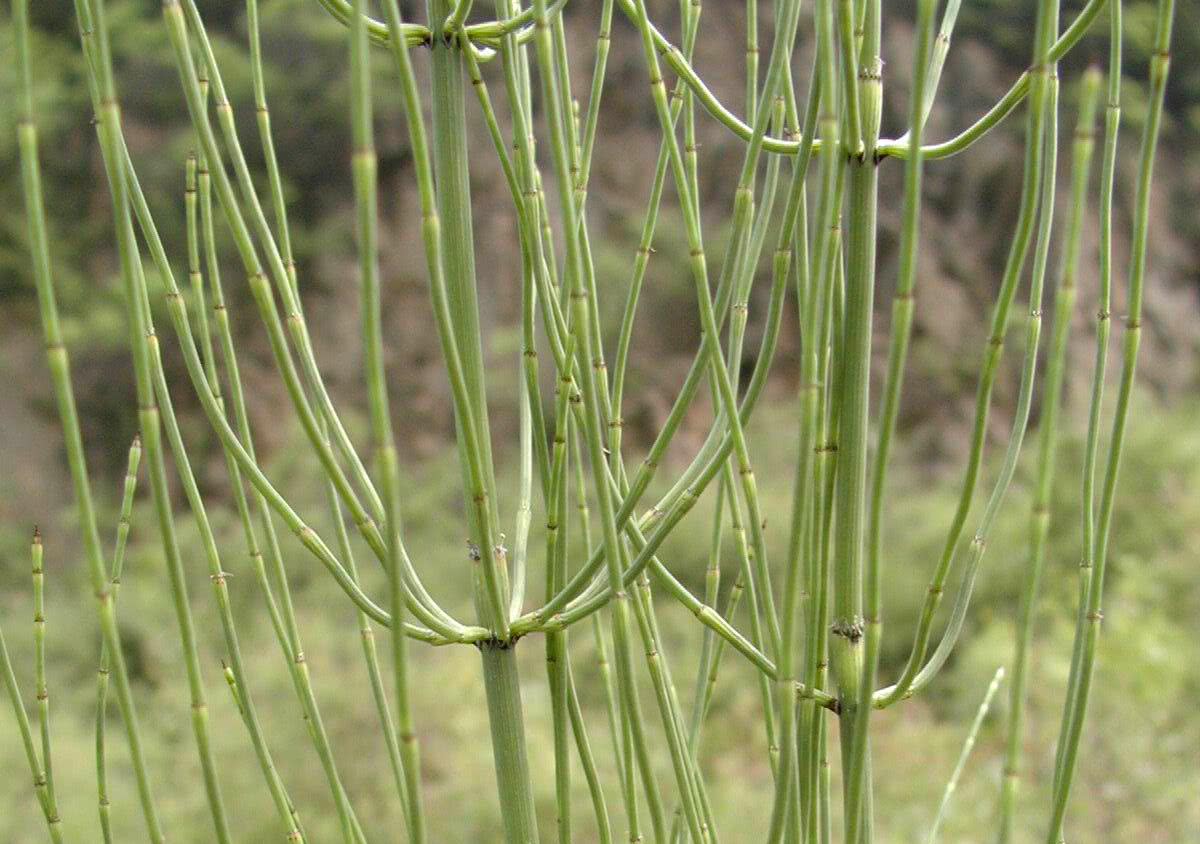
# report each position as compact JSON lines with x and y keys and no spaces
{"x":58,"y":360}
{"x":823,"y":619}
{"x":1088,"y":631}
{"x":1064,"y":303}
{"x":102,"y":674}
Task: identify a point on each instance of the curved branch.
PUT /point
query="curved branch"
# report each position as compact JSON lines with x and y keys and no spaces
{"x":1015,"y":94}
{"x":489,"y":34}
{"x":678,"y":63}
{"x":415,"y":35}
{"x":486,"y":35}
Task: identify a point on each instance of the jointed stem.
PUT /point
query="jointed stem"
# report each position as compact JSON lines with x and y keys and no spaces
{"x":1088,"y":632}
{"x":1064,"y":301}
{"x":60,"y":372}
{"x":41,"y":690}
{"x":102,"y":675}
{"x":143,"y":345}
{"x":1030,"y":197}
{"x":36,"y":768}
{"x":964,"y":754}
{"x":826,"y":612}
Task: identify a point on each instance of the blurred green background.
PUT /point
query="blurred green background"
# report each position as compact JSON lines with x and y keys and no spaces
{"x":1139,"y":776}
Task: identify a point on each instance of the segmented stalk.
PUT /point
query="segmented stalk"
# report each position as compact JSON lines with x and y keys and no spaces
{"x":124,"y":522}
{"x":1083,"y":669}
{"x":59,"y":363}
{"x":37,"y":771}
{"x":142,"y":342}
{"x":1031,"y":191}
{"x":813,"y":616}
{"x":40,"y":688}
{"x":1064,"y":302}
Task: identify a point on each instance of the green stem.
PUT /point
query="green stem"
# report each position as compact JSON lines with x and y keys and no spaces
{"x":1099,"y":375}
{"x":60,"y":372}
{"x":964,"y":754}
{"x":102,"y":675}
{"x":847,"y":658}
{"x":1031,"y":195}
{"x":502,"y":683}
{"x":456,"y":248}
{"x":41,"y":690}
{"x":142,"y":341}
{"x":453,"y":192}
{"x":1083,"y":669}
{"x":40,"y":786}
{"x":1064,"y":302}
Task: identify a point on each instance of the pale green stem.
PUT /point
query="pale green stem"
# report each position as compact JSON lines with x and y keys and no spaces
{"x":1100,"y":368}
{"x":60,"y":371}
{"x":1064,"y":303}
{"x":102,"y":675}
{"x":1027,"y":215}
{"x":41,"y":689}
{"x":1084,"y":668}
{"x":141,"y":341}
{"x":964,"y":754}
{"x":36,"y":769}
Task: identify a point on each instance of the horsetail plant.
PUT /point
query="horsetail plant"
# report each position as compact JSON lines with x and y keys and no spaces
{"x":41,"y":690}
{"x":805,"y":604}
{"x":1039,"y":527}
{"x":124,"y":525}
{"x":38,"y":764}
